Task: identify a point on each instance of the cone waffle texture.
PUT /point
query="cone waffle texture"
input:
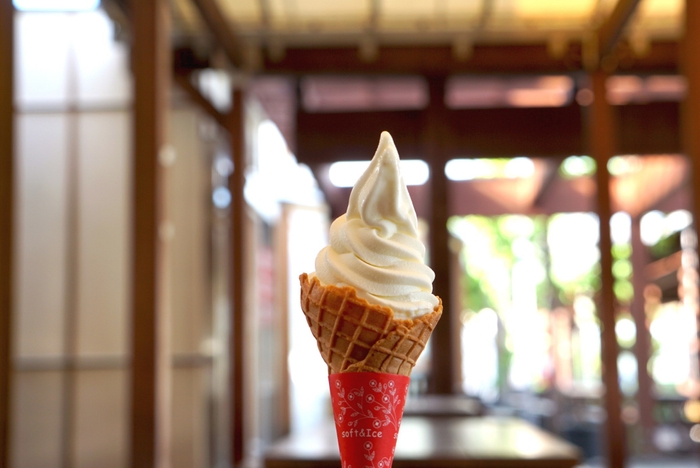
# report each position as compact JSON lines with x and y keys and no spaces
{"x":356,"y":336}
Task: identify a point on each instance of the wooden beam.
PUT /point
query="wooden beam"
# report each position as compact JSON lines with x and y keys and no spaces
{"x":185,"y":83}
{"x":602,"y":128}
{"x":652,"y":128}
{"x":642,"y":345}
{"x":534,"y":131}
{"x":485,"y":14}
{"x":424,"y":60}
{"x":282,"y":410}
{"x":264,"y":7}
{"x":550,"y":178}
{"x":326,"y":137}
{"x":691,"y":109}
{"x":237,"y":245}
{"x":71,"y":279}
{"x":443,"y":344}
{"x":611,"y":30}
{"x":150,"y":56}
{"x":6,"y":217}
{"x":221,"y":29}
{"x":439,"y":59}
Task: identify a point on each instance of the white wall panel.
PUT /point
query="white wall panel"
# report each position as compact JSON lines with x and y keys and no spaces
{"x":36,"y":420}
{"x":189,"y":204}
{"x":102,"y":63}
{"x":104,"y":142}
{"x":189,"y":419}
{"x":101,"y":419}
{"x":41,"y":50}
{"x":42,"y":225}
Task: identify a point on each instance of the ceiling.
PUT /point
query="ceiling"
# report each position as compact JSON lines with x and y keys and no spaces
{"x":371,"y":58}
{"x":294,"y":23}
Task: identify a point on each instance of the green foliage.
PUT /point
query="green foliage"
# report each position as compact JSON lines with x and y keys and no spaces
{"x":577,"y":166}
{"x":473,"y":296}
{"x":489,"y":255}
{"x":622,"y":269}
{"x":495,"y":247}
{"x":666,"y":246}
{"x":622,"y":251}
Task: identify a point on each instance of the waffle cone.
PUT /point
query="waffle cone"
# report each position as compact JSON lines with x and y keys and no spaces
{"x":356,"y":336}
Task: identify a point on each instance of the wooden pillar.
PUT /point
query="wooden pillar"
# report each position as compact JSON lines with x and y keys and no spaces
{"x":690,"y":64}
{"x":602,"y":144}
{"x":236,"y":122}
{"x":283,"y":413}
{"x":150,"y":56}
{"x":6,"y":227}
{"x":443,"y":347}
{"x":642,"y":345}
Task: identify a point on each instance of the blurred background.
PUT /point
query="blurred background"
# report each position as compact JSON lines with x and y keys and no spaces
{"x":171,"y":167}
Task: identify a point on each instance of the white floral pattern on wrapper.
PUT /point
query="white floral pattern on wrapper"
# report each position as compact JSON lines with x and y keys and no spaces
{"x":380,"y":405}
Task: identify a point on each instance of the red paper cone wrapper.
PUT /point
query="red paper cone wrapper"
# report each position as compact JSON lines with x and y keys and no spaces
{"x":367,"y":409}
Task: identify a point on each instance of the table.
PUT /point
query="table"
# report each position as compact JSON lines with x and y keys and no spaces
{"x":442,"y":405}
{"x":438,"y":442}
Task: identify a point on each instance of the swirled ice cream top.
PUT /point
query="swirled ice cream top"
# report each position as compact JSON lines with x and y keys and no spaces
{"x":374,"y":247}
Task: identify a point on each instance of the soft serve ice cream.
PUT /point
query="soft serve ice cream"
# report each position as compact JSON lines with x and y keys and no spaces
{"x":374,"y":247}
{"x":369,"y":303}
{"x":370,"y":307}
